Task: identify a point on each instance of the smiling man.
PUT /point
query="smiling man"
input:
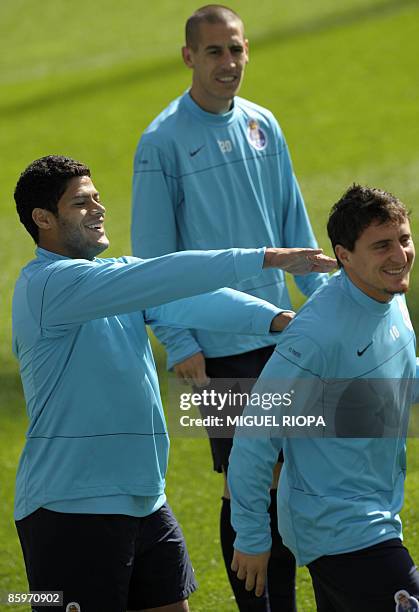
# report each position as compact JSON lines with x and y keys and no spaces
{"x":350,"y":352}
{"x":77,"y":229}
{"x":213,"y":171}
{"x":92,"y":474}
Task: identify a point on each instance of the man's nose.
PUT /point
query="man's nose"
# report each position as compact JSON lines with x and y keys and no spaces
{"x":400,"y":253}
{"x":97,"y":207}
{"x":230,"y":58}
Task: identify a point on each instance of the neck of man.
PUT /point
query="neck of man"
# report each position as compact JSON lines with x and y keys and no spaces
{"x":375,"y":294}
{"x":215,"y":106}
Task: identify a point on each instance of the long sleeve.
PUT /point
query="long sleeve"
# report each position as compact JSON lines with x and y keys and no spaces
{"x":70,"y":291}
{"x":415,"y":398}
{"x":254,"y":454}
{"x":251,"y":463}
{"x":155,"y":195}
{"x":223,"y":310}
{"x":297,"y":229}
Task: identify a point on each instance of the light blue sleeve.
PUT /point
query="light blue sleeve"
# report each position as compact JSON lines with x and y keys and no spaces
{"x":73,"y":291}
{"x":297,"y":231}
{"x":416,"y":384}
{"x":155,"y":195}
{"x":223,"y":310}
{"x":254,"y":455}
{"x":251,"y":463}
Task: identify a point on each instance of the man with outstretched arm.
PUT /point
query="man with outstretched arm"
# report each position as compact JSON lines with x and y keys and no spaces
{"x":350,"y":357}
{"x":92,"y":474}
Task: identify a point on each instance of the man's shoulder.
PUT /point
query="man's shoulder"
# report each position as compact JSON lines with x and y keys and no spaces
{"x":258,"y":118}
{"x":166,"y":124}
{"x":314,"y":336}
{"x":319,"y":313}
{"x":253,"y":110}
{"x":40,"y":269}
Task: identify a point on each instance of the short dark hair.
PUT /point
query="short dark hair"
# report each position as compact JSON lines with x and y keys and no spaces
{"x":42,"y":184}
{"x":210,"y":13}
{"x":357,"y":209}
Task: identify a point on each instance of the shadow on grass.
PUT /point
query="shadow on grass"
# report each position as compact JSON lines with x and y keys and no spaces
{"x":334,"y":21}
{"x":138,"y":72}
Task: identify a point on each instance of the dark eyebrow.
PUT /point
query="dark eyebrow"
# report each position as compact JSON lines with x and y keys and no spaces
{"x":389,"y":240}
{"x":234,"y":45}
{"x":84,"y":195}
{"x":213,"y":47}
{"x":380,"y":242}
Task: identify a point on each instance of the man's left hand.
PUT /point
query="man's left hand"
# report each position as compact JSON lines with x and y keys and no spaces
{"x":299,"y":261}
{"x":252,"y":568}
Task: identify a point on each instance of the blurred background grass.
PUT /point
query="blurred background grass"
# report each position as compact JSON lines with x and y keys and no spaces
{"x":84,"y":81}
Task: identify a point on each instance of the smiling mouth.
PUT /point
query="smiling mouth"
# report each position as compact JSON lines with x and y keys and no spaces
{"x":396,"y":271}
{"x":96,"y":227}
{"x":227,"y":79}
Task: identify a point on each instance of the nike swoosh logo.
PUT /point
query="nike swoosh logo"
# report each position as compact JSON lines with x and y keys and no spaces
{"x":360,"y":353}
{"x":193,"y":153}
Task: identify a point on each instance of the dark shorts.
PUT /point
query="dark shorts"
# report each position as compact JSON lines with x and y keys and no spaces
{"x":365,"y":580}
{"x":107,"y":562}
{"x":241,"y":371}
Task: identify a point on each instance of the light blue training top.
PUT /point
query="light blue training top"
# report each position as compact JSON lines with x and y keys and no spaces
{"x":336,"y":494}
{"x":210,"y":181}
{"x":97,"y":438}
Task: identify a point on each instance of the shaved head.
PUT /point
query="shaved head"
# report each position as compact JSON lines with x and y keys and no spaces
{"x":211,"y":13}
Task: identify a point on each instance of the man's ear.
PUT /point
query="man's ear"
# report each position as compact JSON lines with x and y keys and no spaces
{"x":187,"y":55}
{"x":246,"y":48}
{"x":43,"y":218}
{"x":343,"y":255}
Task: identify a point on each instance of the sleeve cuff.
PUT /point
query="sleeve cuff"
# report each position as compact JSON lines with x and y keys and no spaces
{"x":181,"y":352}
{"x":262,"y":320}
{"x":248,"y":262}
{"x":253,"y":542}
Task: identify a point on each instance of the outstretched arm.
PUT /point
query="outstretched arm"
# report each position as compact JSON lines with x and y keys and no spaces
{"x":225,"y":310}
{"x":296,"y":261}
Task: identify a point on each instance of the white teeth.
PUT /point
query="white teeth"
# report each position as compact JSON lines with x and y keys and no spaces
{"x":228,"y":79}
{"x":395,"y":272}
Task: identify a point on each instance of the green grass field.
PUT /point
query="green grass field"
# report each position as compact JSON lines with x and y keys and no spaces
{"x":341,"y":77}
